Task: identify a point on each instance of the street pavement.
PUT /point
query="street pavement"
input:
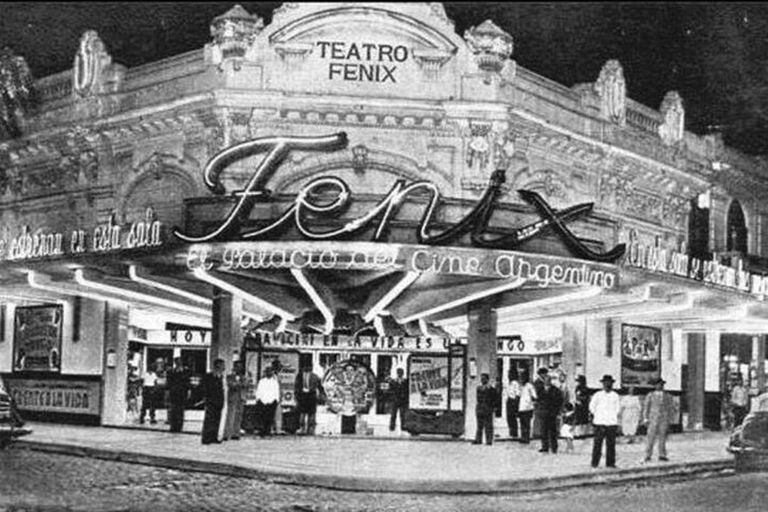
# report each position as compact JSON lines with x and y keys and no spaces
{"x":45,"y":482}
{"x":384,"y":465}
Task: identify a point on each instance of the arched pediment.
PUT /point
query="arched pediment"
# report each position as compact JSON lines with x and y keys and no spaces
{"x":161,"y":182}
{"x":312,"y":21}
{"x":364,"y":49}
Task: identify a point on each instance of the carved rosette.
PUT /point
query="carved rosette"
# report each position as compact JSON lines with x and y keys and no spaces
{"x":611,"y":88}
{"x":491,"y":46}
{"x":672,"y":128}
{"x":233,"y":34}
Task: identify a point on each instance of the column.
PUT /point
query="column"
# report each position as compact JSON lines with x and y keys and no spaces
{"x":695,"y":389}
{"x":227,"y":337}
{"x":481,"y":348}
{"x":759,"y":351}
{"x":114,"y":404}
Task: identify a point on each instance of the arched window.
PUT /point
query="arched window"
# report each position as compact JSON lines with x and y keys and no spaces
{"x":737,"y":229}
{"x":698,"y":231}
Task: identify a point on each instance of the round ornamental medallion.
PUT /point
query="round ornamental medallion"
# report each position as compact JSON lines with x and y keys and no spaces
{"x":350,"y":387}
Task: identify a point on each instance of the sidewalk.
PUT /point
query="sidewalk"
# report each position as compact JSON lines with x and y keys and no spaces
{"x":384,"y":465}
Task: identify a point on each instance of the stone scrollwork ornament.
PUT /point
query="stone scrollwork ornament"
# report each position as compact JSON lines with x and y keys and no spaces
{"x":233,"y":32}
{"x":672,"y":128}
{"x":479,"y":147}
{"x":90,"y":61}
{"x":16,"y":93}
{"x":611,"y":88}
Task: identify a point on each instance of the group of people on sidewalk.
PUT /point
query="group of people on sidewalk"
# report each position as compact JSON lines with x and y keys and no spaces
{"x":558,"y":414}
{"x":232,"y":410}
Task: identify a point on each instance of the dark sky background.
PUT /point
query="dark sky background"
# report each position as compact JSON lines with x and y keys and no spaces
{"x":714,"y":54}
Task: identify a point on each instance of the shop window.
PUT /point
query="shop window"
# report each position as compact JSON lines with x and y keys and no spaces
{"x":698,"y":231}
{"x":361,"y":358}
{"x":327,"y":360}
{"x":305,"y":359}
{"x":737,"y":229}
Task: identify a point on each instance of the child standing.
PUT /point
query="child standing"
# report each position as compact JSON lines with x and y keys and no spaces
{"x":566,"y":430}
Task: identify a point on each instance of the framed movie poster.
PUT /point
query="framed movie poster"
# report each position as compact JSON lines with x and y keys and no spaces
{"x":640,"y":355}
{"x":37,"y":339}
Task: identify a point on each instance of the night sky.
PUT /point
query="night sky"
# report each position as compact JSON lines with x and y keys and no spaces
{"x":714,"y":54}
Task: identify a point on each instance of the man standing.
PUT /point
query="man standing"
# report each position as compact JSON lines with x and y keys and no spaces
{"x":398,"y":389}
{"x":307,"y":388}
{"x":213,"y":393}
{"x":235,"y":390}
{"x":656,"y":412}
{"x":739,"y":402}
{"x":604,"y":407}
{"x":512,"y":395}
{"x":550,"y":403}
{"x":148,"y":395}
{"x":542,"y":376}
{"x":178,"y":391}
{"x":267,"y":398}
{"x":486,"y":401}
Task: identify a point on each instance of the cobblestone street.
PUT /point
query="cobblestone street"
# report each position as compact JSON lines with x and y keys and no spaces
{"x":35,"y":481}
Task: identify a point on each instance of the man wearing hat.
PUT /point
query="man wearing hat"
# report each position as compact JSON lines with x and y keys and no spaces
{"x":486,"y":402}
{"x":604,"y":407}
{"x":656,"y":412}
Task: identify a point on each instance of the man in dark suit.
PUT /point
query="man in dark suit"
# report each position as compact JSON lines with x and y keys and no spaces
{"x":486,"y":402}
{"x":307,"y":389}
{"x":550,"y":402}
{"x":178,"y":391}
{"x":213,"y":392}
{"x":398,"y":389}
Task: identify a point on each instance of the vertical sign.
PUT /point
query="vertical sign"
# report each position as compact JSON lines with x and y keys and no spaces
{"x":37,"y":339}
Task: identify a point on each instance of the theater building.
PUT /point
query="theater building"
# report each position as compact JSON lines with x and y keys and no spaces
{"x":358,"y":182}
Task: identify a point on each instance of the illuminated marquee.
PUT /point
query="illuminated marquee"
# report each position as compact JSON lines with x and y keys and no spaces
{"x":105,"y":237}
{"x":379,"y":217}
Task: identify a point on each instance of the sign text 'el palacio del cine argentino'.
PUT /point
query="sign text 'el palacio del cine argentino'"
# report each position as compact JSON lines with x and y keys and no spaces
{"x":359,"y":182}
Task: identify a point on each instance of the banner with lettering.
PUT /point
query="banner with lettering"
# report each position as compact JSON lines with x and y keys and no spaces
{"x":56,"y":396}
{"x":37,"y":339}
{"x":640,"y":355}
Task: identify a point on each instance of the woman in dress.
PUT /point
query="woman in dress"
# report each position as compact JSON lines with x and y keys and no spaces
{"x":629,"y":411}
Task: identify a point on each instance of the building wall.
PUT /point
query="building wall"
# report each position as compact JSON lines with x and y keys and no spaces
{"x":6,"y":347}
{"x":83,"y":354}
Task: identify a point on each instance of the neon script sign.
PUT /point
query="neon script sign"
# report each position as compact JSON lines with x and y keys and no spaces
{"x":306,"y":206}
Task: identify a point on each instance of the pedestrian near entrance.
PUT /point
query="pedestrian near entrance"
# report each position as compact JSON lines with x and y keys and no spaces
{"x":527,"y":404}
{"x":739,"y":402}
{"x":604,"y":407}
{"x":550,"y":402}
{"x":308,"y":390}
{"x":178,"y":392}
{"x":148,"y":395}
{"x":512,"y":400}
{"x":398,"y":388}
{"x":486,"y":402}
{"x":630,"y":413}
{"x":656,"y":412}
{"x":213,"y":394}
{"x":267,"y":398}
{"x":235,"y":400}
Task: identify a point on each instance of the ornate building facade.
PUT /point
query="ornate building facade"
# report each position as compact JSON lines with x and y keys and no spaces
{"x":352,"y":182}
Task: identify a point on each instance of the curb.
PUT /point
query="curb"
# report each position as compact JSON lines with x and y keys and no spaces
{"x":501,"y":486}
